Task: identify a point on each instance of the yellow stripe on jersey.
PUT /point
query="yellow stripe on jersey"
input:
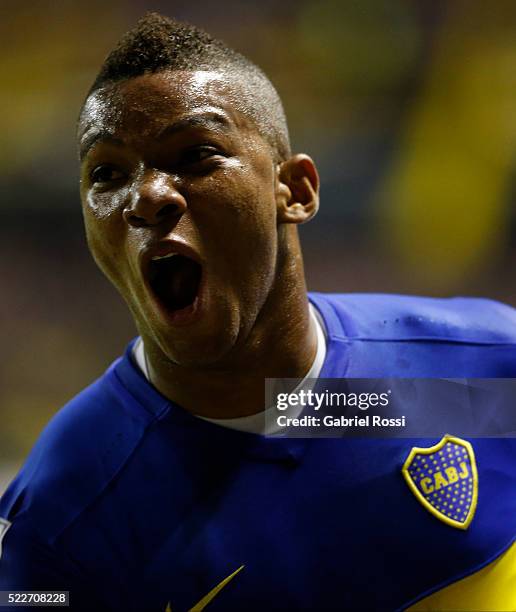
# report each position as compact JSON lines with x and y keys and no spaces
{"x":207,"y":598}
{"x":491,"y":588}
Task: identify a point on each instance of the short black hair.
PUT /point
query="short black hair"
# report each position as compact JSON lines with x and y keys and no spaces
{"x":159,"y":43}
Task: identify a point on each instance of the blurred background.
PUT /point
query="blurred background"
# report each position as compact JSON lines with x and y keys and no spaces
{"x":408,"y":107}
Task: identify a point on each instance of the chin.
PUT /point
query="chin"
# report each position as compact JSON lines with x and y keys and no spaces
{"x":200,"y":350}
{"x":206,"y":337}
{"x":205,"y":342}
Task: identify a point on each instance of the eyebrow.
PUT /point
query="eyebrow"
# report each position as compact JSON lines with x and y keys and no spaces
{"x":93,"y":138}
{"x":214,"y":121}
{"x":206,"y":120}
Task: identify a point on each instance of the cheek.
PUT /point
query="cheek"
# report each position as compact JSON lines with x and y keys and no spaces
{"x":104,"y":235}
{"x":103,"y":206}
{"x":238,"y":227}
{"x":238,"y":202}
{"x":254,"y":220}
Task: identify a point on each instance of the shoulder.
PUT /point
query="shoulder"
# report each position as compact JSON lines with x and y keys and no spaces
{"x":378,"y":335}
{"x":401,"y":317}
{"x":77,"y":455}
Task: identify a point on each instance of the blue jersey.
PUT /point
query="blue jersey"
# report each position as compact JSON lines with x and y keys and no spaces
{"x":131,"y":503}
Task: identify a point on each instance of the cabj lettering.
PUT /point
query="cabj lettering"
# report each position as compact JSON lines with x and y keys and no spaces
{"x":429,"y":485}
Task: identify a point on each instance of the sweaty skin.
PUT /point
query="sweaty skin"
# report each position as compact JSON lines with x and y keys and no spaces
{"x":172,"y":156}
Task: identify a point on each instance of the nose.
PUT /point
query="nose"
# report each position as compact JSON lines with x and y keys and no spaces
{"x":154,"y":199}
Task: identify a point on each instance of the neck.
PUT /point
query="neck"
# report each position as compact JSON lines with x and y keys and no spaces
{"x":281,"y":344}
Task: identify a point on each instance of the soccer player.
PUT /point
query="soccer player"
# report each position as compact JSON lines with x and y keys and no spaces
{"x":155,"y":489}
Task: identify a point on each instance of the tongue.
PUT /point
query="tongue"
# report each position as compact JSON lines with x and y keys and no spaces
{"x":176,"y":282}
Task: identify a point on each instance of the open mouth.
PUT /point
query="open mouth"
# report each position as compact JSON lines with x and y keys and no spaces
{"x":175,"y":280}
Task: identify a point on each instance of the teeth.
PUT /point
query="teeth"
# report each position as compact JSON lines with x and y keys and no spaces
{"x":156,"y":257}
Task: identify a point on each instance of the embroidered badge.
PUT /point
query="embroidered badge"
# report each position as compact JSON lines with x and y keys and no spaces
{"x":444,"y":479}
{"x":4,"y":526}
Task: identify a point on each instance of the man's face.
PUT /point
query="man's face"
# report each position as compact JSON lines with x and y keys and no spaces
{"x":179,"y":194}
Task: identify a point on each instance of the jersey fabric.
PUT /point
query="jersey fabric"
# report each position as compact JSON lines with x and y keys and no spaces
{"x":131,"y":503}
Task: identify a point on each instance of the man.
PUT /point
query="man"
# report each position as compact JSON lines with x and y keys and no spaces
{"x":154,"y":488}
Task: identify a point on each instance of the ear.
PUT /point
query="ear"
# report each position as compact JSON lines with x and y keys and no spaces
{"x":298,"y":190}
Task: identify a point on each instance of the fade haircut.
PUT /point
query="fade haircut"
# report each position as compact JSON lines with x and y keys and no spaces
{"x":158,"y":43}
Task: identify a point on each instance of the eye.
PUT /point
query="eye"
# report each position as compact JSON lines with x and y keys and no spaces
{"x":105,"y":173}
{"x":198,"y":154}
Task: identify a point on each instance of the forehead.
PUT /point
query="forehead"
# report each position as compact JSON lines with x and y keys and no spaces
{"x":149,"y":103}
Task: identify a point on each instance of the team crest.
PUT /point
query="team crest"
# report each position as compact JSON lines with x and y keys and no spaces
{"x":444,"y":479}
{"x":4,"y":526}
